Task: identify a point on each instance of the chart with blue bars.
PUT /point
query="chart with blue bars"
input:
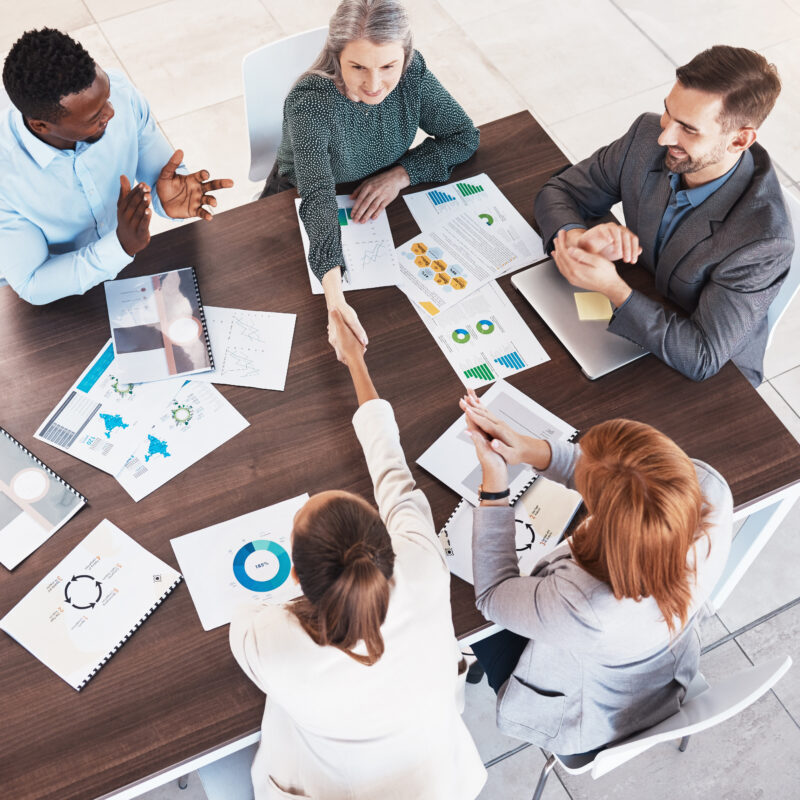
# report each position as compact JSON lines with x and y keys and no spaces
{"x":440,"y":198}
{"x":512,"y":360}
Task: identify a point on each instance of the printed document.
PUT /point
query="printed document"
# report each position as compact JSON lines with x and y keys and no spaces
{"x":243,"y":561}
{"x":484,"y":337}
{"x":251,"y":348}
{"x":368,"y":249}
{"x":451,"y":458}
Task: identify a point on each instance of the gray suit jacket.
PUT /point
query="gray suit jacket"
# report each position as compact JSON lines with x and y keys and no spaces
{"x":596,"y":669}
{"x":723,"y":265}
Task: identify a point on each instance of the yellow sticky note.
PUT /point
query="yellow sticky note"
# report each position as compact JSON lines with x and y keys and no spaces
{"x":593,"y":306}
{"x":429,"y":307}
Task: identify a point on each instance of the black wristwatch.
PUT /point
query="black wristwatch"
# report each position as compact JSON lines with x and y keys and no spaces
{"x":493,"y":495}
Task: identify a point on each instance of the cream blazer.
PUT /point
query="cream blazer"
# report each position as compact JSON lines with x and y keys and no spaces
{"x":334,"y":729}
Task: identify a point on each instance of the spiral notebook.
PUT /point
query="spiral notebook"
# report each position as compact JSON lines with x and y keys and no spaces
{"x":34,"y":501}
{"x":90,"y":604}
{"x":542,"y":513}
{"x":158,"y":326}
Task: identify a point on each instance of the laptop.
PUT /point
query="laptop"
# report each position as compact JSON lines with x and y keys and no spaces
{"x":597,"y":351}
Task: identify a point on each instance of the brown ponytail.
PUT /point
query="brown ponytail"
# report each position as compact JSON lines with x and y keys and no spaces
{"x":344,"y":560}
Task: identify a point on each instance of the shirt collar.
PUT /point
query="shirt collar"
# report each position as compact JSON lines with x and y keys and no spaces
{"x":698,"y":194}
{"x":41,"y":152}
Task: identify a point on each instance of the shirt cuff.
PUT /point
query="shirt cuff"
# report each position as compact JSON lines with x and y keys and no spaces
{"x":110,"y":254}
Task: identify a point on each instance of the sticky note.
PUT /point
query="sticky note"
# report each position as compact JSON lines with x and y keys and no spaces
{"x":429,"y":307}
{"x":593,"y":306}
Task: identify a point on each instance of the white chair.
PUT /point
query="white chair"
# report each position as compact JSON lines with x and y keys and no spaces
{"x":269,"y":73}
{"x":229,"y":778}
{"x":792,"y":283}
{"x":703,"y":709}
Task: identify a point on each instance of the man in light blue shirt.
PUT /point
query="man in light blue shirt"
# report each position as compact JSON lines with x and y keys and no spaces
{"x":71,"y":146}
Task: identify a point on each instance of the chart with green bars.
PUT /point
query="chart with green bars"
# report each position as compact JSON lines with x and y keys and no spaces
{"x":467,"y":189}
{"x":344,"y":216}
{"x":482,"y":372}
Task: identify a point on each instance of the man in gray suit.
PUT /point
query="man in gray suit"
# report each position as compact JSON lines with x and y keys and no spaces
{"x":704,"y":212}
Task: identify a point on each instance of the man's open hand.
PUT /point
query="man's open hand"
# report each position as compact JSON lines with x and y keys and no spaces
{"x":184,"y":196}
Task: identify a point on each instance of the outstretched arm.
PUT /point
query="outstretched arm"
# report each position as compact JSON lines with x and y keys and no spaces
{"x":350,"y":352}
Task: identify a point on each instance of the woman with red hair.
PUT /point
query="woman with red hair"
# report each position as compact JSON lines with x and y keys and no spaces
{"x":600,"y":640}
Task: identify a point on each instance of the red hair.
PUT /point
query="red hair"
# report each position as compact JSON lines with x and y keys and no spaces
{"x":646,"y":510}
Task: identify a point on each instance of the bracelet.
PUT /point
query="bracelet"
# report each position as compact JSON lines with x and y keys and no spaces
{"x":493,"y":495}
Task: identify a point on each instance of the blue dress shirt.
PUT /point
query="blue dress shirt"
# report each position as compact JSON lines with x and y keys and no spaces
{"x":58,"y":208}
{"x":682,"y":201}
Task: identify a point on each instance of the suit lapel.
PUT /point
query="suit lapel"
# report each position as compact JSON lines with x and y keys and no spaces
{"x":698,"y":224}
{"x":652,"y":205}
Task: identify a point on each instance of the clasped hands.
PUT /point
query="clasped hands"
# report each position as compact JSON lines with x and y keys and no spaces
{"x":181,"y":196}
{"x":497,"y":445}
{"x":586,"y":258}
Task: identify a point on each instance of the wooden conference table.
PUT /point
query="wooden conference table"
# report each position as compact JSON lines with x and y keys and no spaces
{"x":174,"y":691}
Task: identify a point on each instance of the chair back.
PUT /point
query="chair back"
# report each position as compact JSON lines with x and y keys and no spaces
{"x":792,"y":282}
{"x":268,"y":74}
{"x":718,"y":703}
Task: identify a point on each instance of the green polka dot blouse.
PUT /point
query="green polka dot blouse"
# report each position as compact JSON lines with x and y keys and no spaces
{"x":329,"y":139}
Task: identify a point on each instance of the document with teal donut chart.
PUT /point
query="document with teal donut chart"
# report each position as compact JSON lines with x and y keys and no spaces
{"x":244,"y":560}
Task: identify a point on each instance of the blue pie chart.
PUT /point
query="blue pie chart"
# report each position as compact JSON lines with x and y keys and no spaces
{"x":266,"y":555}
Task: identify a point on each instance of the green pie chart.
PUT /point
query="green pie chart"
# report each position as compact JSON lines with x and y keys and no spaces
{"x":485,"y":326}
{"x":460,"y":335}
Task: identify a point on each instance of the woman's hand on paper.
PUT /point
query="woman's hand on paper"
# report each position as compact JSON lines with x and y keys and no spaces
{"x":376,"y":192}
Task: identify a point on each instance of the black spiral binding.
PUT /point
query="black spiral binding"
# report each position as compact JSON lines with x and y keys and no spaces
{"x":444,"y":537}
{"x":202,"y":314}
{"x":43,"y":465}
{"x":129,"y":633}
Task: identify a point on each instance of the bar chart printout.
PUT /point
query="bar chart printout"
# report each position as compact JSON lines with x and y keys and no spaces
{"x":511,"y":361}
{"x":440,"y":198}
{"x":468,"y":188}
{"x":481,"y":372}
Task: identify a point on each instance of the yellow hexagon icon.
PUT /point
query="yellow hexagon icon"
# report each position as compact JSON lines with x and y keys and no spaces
{"x":439,"y":265}
{"x":441,"y":278}
{"x":422,"y":261}
{"x":457,"y":282}
{"x":419,"y":248}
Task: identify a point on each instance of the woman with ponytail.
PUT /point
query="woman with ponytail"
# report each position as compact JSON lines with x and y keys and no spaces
{"x":362,"y":672}
{"x":601,"y":640}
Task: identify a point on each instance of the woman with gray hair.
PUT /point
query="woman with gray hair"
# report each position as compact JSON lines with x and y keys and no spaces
{"x":353,"y":117}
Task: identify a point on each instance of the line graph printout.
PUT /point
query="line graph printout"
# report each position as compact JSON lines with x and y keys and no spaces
{"x":484,"y":337}
{"x":246,"y":560}
{"x":98,"y":419}
{"x":451,"y":458}
{"x":480,"y":197}
{"x":251,"y":348}
{"x":197,"y":420}
{"x":368,"y":249}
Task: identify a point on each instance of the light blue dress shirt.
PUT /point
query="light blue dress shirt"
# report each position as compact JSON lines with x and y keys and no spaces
{"x":58,"y":208}
{"x":682,"y":201}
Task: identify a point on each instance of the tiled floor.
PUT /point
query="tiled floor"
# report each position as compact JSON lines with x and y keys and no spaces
{"x":585,"y":69}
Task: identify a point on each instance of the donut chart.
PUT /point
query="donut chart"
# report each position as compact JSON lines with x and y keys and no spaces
{"x":261,"y":555}
{"x":485,"y":326}
{"x":460,"y":335}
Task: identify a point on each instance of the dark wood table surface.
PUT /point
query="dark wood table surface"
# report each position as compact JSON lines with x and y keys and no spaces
{"x":174,"y":690}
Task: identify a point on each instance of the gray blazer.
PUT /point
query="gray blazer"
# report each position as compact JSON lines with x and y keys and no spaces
{"x":723,"y":265}
{"x":596,"y":669}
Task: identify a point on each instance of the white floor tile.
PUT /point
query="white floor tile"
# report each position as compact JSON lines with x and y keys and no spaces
{"x":787,"y":384}
{"x":515,"y":778}
{"x":66,"y":15}
{"x":567,"y":58}
{"x":107,"y":9}
{"x":204,"y":42}
{"x":777,"y":637}
{"x":779,"y":132}
{"x":469,"y":10}
{"x":782,"y":410}
{"x":683,"y":28}
{"x":771,"y":579}
{"x":584,"y":133}
{"x":469,"y":76}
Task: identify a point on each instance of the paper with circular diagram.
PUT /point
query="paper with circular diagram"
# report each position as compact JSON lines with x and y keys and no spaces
{"x":246,"y":560}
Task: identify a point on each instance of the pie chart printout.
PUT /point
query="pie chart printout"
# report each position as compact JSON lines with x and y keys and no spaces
{"x":262,"y":565}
